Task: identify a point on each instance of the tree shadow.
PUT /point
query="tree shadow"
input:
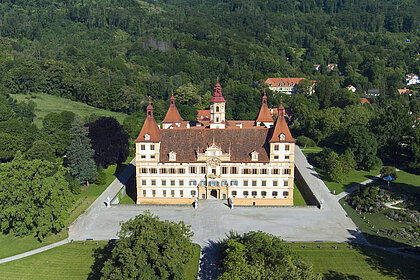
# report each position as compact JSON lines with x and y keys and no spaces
{"x":334,"y":275}
{"x":124,"y":172}
{"x":130,"y":188}
{"x":208,"y":261}
{"x":101,"y":255}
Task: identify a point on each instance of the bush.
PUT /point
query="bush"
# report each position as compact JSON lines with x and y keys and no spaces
{"x":304,"y":141}
{"x":389,"y":171}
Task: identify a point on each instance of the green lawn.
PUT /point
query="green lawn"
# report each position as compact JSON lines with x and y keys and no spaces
{"x":298,"y":199}
{"x":406,"y":183}
{"x":70,"y":261}
{"x":46,"y":103}
{"x":354,"y":177}
{"x":311,"y":150}
{"x":10,"y":245}
{"x":358,"y":262}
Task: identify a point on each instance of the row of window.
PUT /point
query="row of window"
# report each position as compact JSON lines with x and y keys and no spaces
{"x":152,"y":147}
{"x":203,"y":170}
{"x":245,"y":183}
{"x":286,"y":147}
{"x":171,"y":193}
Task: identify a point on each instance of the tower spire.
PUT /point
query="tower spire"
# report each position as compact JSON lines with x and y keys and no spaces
{"x":150,"y":108}
{"x":282,"y":111}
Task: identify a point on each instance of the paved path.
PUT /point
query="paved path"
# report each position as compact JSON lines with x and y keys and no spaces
{"x":213,"y":220}
{"x":356,"y":187}
{"x":33,"y":252}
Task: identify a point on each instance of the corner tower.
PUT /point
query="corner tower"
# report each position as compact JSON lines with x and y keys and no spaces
{"x":217,"y":108}
{"x":172,"y":118}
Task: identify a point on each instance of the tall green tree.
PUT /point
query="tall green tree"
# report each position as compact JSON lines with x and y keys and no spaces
{"x":9,"y":145}
{"x":41,"y":150}
{"x":79,"y":156}
{"x":149,"y":249}
{"x":34,"y":197}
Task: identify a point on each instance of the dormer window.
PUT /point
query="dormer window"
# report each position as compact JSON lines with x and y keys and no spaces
{"x":282,"y":137}
{"x":254,"y":156}
{"x":172,"y":156}
{"x":147,"y":137}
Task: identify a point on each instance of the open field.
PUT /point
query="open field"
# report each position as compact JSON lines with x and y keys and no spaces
{"x":70,"y":261}
{"x":46,"y":103}
{"x":298,"y":199}
{"x":406,"y":183}
{"x":358,"y":262}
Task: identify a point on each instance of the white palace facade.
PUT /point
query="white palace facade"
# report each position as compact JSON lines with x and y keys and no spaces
{"x":249,"y":161}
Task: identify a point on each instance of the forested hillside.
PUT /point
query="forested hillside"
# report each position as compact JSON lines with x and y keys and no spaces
{"x":112,"y":53}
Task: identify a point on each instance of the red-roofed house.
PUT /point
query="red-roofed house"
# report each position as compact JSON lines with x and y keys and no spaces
{"x":251,"y":162}
{"x":364,"y":100}
{"x":283,"y":85}
{"x":402,"y":91}
{"x":412,"y":79}
{"x":351,"y":88}
{"x":317,"y":67}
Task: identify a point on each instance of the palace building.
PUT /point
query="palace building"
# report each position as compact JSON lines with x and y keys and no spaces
{"x":251,"y":162}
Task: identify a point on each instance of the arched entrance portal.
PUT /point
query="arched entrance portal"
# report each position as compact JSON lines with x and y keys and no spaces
{"x":213,"y":193}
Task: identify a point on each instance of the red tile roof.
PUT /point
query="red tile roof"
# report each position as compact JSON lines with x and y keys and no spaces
{"x":203,"y":115}
{"x":172,"y":116}
{"x":217,"y":95}
{"x":281,"y":127}
{"x":150,"y":127}
{"x":364,"y":100}
{"x":404,"y":90}
{"x":264,"y":115}
{"x":283,"y":82}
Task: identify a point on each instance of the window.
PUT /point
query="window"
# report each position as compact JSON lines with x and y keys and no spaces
{"x":286,"y":183}
{"x":181,"y":182}
{"x":173,"y":193}
{"x":233,"y":183}
{"x":163,"y":182}
{"x":152,"y":147}
{"x":264,"y":183}
{"x":276,"y":157}
{"x":263,"y":193}
{"x":153,"y":193}
{"x":213,"y":171}
{"x":224,"y":183}
{"x":286,"y":157}
{"x":245,"y":183}
{"x":276,"y":147}
{"x":193,"y":183}
{"x":254,"y":193}
{"x":224,"y":170}
{"x":217,"y":108}
{"x":275,"y":171}
{"x":181,"y":193}
{"x":143,"y":156}
{"x":143,"y":182}
{"x":286,"y":194}
{"x":203,"y":196}
{"x":153,"y":170}
{"x":143,"y":147}
{"x":153,"y":182}
{"x":181,"y":171}
{"x":264,"y":171}
{"x":193,"y":169}
{"x":172,"y":171}
{"x":163,"y":171}
{"x":245,"y":171}
{"x":254,"y":183}
{"x":193,"y":193}
{"x":287,"y":148}
{"x":144,"y":170}
{"x":152,"y":156}
{"x":202,"y":183}
{"x":234,"y":193}
{"x":286,"y":171}
{"x":144,"y":193}
{"x":203,"y":170}
{"x":274,"y":183}
{"x":234,"y":170}
{"x":245,"y":193}
{"x":217,"y":119}
{"x":164,"y":193}
{"x":172,"y":182}
{"x":254,"y":171}
{"x":275,"y":193}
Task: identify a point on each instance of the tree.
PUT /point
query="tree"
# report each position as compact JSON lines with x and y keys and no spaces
{"x":10,"y":144}
{"x":149,"y":249}
{"x":41,"y":150}
{"x":109,"y":142}
{"x":259,"y":255}
{"x":334,"y":167}
{"x":80,"y":154}
{"x":34,"y":197}
{"x":364,"y":146}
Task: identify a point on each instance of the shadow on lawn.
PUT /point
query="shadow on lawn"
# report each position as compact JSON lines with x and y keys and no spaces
{"x":101,"y":255}
{"x":334,"y":275}
{"x":208,"y":261}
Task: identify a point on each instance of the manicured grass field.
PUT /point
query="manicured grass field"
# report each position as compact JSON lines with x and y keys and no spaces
{"x":70,"y":261}
{"x":311,"y":150}
{"x":10,"y":245}
{"x":298,"y":199}
{"x":406,"y":183}
{"x":358,"y":262}
{"x":46,"y":103}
